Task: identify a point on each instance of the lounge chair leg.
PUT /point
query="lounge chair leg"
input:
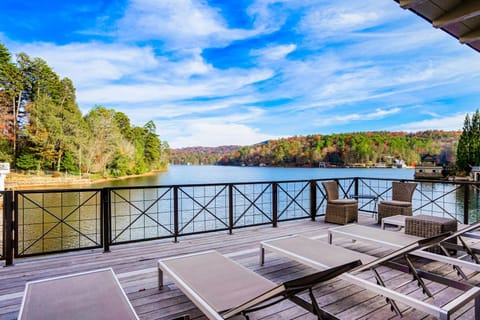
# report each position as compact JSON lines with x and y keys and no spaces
{"x":417,"y":277}
{"x":477,"y":308}
{"x":469,"y":251}
{"x":315,"y":306}
{"x":393,"y":305}
{"x":330,"y":237}
{"x":160,"y":279}
{"x":262,"y":255}
{"x":456,"y":268}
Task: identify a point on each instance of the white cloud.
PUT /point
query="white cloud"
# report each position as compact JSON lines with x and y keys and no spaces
{"x":234,"y":128}
{"x":210,"y":134}
{"x":342,"y":18}
{"x":219,"y":84}
{"x":275,"y":52}
{"x":348,"y":118}
{"x":450,"y":122}
{"x":89,"y":64}
{"x":181,"y":24}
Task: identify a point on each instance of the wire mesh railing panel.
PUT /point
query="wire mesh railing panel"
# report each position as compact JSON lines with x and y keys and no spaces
{"x":321,"y":196}
{"x":293,"y":200}
{"x":252,"y":204}
{"x":371,"y":191}
{"x":439,"y":199}
{"x":474,"y":204}
{"x":202,"y":208}
{"x":346,"y":188}
{"x":57,"y":221}
{"x":141,"y":214}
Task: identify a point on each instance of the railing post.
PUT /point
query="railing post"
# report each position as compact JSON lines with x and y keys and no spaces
{"x":106,"y":214}
{"x":8,"y":227}
{"x":175,"y":214}
{"x":355,"y":188}
{"x":274,"y":204}
{"x":230,"y":208}
{"x":466,"y":197}
{"x":313,"y":199}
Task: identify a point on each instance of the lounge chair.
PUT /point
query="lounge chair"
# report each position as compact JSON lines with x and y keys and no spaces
{"x":93,"y":295}
{"x":222,"y":288}
{"x":320,"y":255}
{"x":395,"y":240}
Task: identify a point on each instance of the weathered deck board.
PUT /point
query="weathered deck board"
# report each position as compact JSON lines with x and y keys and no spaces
{"x":136,"y":267}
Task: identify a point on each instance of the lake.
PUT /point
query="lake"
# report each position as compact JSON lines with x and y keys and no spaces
{"x":224,"y":174}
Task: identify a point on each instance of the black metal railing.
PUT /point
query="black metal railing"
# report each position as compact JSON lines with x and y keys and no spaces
{"x":37,"y":222}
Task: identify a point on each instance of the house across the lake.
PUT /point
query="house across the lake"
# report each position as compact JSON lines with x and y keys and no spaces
{"x":475,"y":173}
{"x":428,"y":168}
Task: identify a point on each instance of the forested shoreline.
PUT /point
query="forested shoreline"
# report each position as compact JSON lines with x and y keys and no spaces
{"x":43,"y":129}
{"x":346,"y":149}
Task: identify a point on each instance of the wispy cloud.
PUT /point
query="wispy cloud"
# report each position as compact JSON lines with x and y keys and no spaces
{"x":452,"y":122}
{"x":349,"y":118}
{"x":180,"y":24}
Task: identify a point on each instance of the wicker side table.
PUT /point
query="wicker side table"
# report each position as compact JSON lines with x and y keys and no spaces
{"x":428,"y":226}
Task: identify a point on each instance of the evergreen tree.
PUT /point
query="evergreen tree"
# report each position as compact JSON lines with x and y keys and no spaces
{"x":468,"y":149}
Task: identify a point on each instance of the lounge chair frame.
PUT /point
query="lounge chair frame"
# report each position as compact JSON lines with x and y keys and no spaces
{"x":364,"y":233}
{"x":471,"y":292}
{"x":287,"y":290}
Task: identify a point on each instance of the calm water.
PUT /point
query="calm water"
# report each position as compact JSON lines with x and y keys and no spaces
{"x":222,"y":174}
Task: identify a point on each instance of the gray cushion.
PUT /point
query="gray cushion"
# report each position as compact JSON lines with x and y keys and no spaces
{"x":343,"y":201}
{"x":396,"y":203}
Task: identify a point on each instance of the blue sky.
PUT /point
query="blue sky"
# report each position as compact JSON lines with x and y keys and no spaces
{"x":239,"y":72}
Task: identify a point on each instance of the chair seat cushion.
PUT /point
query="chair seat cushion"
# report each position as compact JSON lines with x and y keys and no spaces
{"x":343,"y":201}
{"x":396,"y":203}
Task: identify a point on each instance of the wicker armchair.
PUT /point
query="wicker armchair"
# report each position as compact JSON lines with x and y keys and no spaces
{"x":340,"y":211}
{"x":401,"y":203}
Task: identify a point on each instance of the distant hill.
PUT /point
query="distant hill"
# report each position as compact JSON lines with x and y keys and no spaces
{"x":348,"y":149}
{"x":200,"y":155}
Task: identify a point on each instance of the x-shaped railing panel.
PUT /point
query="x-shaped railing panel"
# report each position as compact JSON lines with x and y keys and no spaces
{"x":294,"y":200}
{"x":252,"y":204}
{"x":203,"y":207}
{"x":141,"y":213}
{"x":433,"y":200}
{"x":56,"y":220}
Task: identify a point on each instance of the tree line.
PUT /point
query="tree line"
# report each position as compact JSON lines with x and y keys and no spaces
{"x":42,"y":128}
{"x":365,"y":148}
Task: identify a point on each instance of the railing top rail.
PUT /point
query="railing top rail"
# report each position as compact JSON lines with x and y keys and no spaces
{"x":227,"y":183}
{"x":80,"y":189}
{"x":48,"y":190}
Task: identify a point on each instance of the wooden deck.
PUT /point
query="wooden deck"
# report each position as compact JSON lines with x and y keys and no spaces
{"x":136,"y":267}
